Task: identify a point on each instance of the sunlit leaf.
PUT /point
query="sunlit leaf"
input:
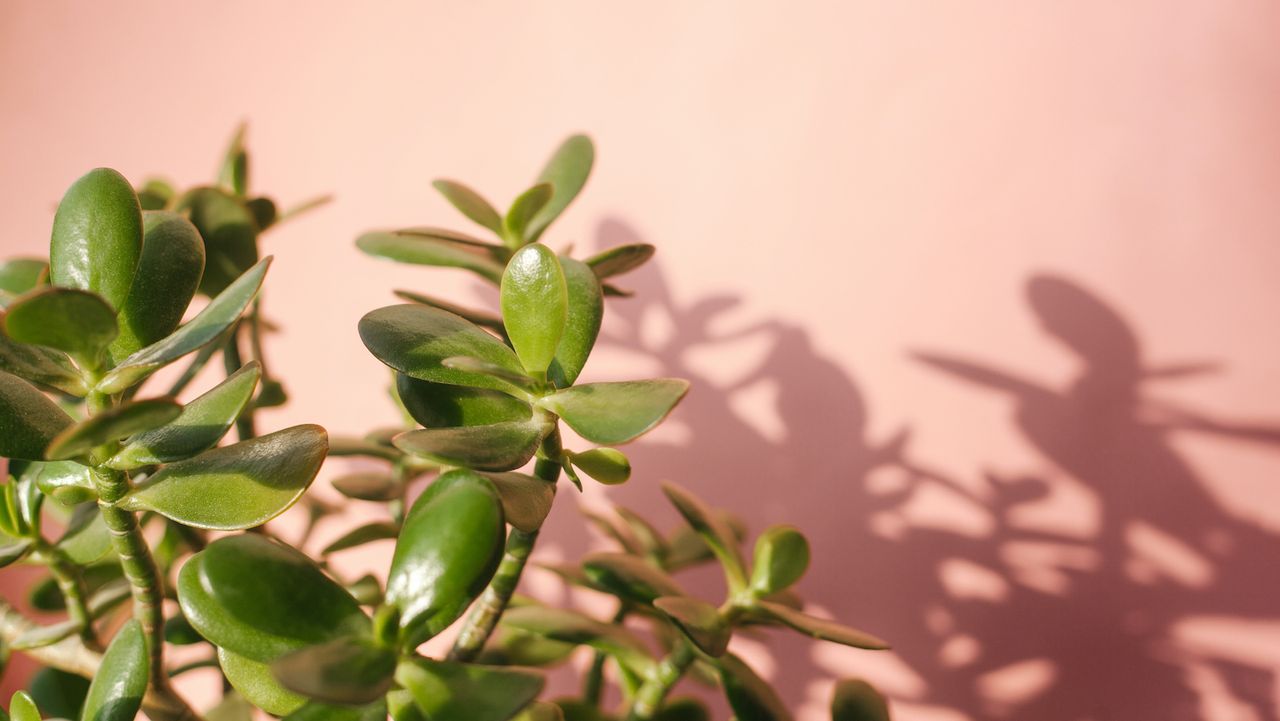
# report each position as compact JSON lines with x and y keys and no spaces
{"x":606,"y":465}
{"x":29,"y":421}
{"x":516,"y":223}
{"x":76,"y":322}
{"x":447,"y":691}
{"x":112,"y":424}
{"x":415,"y":339}
{"x":19,"y":275}
{"x":439,"y":405}
{"x":526,"y":500}
{"x":495,"y":447}
{"x":535,"y":302}
{"x":582,"y":325}
{"x":169,"y":271}
{"x":342,"y":671}
{"x":116,"y":692}
{"x":619,"y":260}
{"x":781,"y":558}
{"x":566,"y":171}
{"x":97,"y":236}
{"x":629,"y":577}
{"x":613,"y":413}
{"x":470,"y":203}
{"x":821,"y":628}
{"x":425,"y":247}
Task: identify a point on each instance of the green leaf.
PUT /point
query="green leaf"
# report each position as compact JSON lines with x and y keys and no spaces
{"x":29,"y":421}
{"x":19,"y":275}
{"x":470,"y":203}
{"x":535,"y":305}
{"x":75,"y":322}
{"x":230,"y":234}
{"x":179,"y":632}
{"x":699,"y":620}
{"x":447,"y":691}
{"x":415,"y":340}
{"x":650,"y":538}
{"x":234,"y":173}
{"x":615,"y":413}
{"x":781,"y":558}
{"x":619,"y":260}
{"x":567,"y":626}
{"x":629,"y":577}
{"x":113,"y":424}
{"x":717,"y":534}
{"x":203,"y":422}
{"x":582,"y":325}
{"x":439,"y":405}
{"x":156,"y":194}
{"x":526,"y":500}
{"x":97,"y":236}
{"x":607,"y":465}
{"x":368,"y":486}
{"x":516,"y":224}
{"x":169,"y":272}
{"x":343,"y":671}
{"x":317,"y":711}
{"x":259,"y":687}
{"x":750,"y":697}
{"x":58,"y":693}
{"x":116,"y":692}
{"x":479,"y":317}
{"x":13,"y":551}
{"x":238,"y":486}
{"x":821,"y":628}
{"x":428,"y":246}
{"x":66,"y":482}
{"x":41,"y":636}
{"x":567,"y":171}
{"x":86,"y":539}
{"x":23,"y":708}
{"x":509,"y":646}
{"x":448,"y":549}
{"x":857,"y":700}
{"x":495,"y":447}
{"x":232,"y":707}
{"x":539,"y":711}
{"x":210,"y":323}
{"x":261,"y":599}
{"x":43,"y":366}
{"x":368,"y":533}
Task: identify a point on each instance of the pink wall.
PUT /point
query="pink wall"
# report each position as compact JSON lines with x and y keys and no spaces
{"x":990,"y":225}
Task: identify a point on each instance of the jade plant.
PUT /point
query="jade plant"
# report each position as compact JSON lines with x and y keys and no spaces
{"x":150,"y":529}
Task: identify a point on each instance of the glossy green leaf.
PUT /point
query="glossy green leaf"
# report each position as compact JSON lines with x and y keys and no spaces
{"x":750,"y":697}
{"x":202,"y":423}
{"x":29,"y":421}
{"x":781,"y":558}
{"x":516,"y":223}
{"x":470,"y":203}
{"x":683,"y":709}
{"x":526,"y":500}
{"x":715,"y":532}
{"x":257,"y":685}
{"x":630,"y":577}
{"x":479,"y":317}
{"x":582,"y":324}
{"x":439,"y":405}
{"x":821,"y":628}
{"x":342,"y":671}
{"x":699,"y":620}
{"x":19,"y":275}
{"x":567,"y":626}
{"x":318,"y":711}
{"x":261,"y":599}
{"x":615,"y":413}
{"x":75,"y":322}
{"x":495,"y":447}
{"x":539,"y":711}
{"x":607,"y":465}
{"x":368,"y":486}
{"x":169,"y":272}
{"x":116,"y":692}
{"x":509,"y":646}
{"x":415,"y":340}
{"x":42,"y":366}
{"x":113,"y":424}
{"x":361,"y":535}
{"x":58,"y":693}
{"x":619,"y":260}
{"x":857,"y":700}
{"x":566,"y":171}
{"x":521,"y":383}
{"x":210,"y":323}
{"x":449,"y":547}
{"x":447,"y":691}
{"x":429,"y":247}
{"x":66,"y":482}
{"x":23,"y":708}
{"x":535,"y":304}
{"x":97,"y":236}
{"x":86,"y":539}
{"x":230,"y":234}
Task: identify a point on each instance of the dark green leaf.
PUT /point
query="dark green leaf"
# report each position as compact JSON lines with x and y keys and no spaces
{"x":66,"y":482}
{"x":210,"y":323}
{"x":619,"y":260}
{"x":439,"y":405}
{"x":781,"y":558}
{"x":264,"y":212}
{"x":169,"y":271}
{"x":821,"y":628}
{"x":539,"y":711}
{"x":97,"y":236}
{"x":415,"y":339}
{"x":29,"y":421}
{"x":366,"y":590}
{"x":75,"y":322}
{"x":369,"y":486}
{"x":237,"y":486}
{"x":113,"y":424}
{"x":526,"y":500}
{"x":178,"y":631}
{"x":234,"y":173}
{"x":535,"y":303}
{"x":516,"y":223}
{"x":699,"y":620}
{"x":359,"y":536}
{"x":582,"y":325}
{"x":255,"y":682}
{"x":751,"y":698}
{"x":447,"y":691}
{"x":479,"y":317}
{"x":116,"y":692}
{"x":509,"y":646}
{"x":857,"y":700}
{"x":156,"y":194}
{"x":567,"y":172}
{"x":616,"y":412}
{"x":717,"y":534}
{"x":19,"y":275}
{"x":13,"y":551}
{"x":261,"y":599}
{"x":629,"y":577}
{"x":342,"y":671}
{"x":230,"y":235}
{"x":44,"y":366}
{"x":606,"y":465}
{"x":59,"y":694}
{"x":683,"y":709}
{"x":436,"y":248}
{"x":470,"y":203}
{"x":495,"y":447}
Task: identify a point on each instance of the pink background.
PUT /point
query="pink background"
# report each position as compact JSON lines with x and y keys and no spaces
{"x":999,"y":227}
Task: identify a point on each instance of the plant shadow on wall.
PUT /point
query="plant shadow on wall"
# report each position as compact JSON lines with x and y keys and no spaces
{"x":996,"y":610}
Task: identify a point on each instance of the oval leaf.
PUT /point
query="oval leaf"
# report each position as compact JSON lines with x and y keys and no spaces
{"x":29,"y":421}
{"x":439,"y":405}
{"x":236,"y":487}
{"x":750,"y":697}
{"x":230,"y":234}
{"x":23,"y":708}
{"x":607,"y":465}
{"x":582,"y":325}
{"x":781,"y":558}
{"x":169,"y":272}
{"x":566,"y":171}
{"x":857,"y":700}
{"x":254,"y":681}
{"x":445,"y":690}
{"x":117,"y":690}
{"x":97,"y":236}
{"x":526,"y":500}
{"x":535,"y":304}
{"x":67,"y":482}
{"x":43,"y":366}
{"x":19,"y":275}
{"x":615,"y":413}
{"x":619,"y":260}
{"x":343,"y":671}
{"x":629,"y":577}
{"x":115,"y":423}
{"x":470,"y":203}
{"x":495,"y":447}
{"x":371,"y":486}
{"x":415,"y":340}
{"x":75,"y":322}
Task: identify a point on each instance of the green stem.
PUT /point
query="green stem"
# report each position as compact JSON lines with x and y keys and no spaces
{"x":232,"y":361}
{"x":593,"y":685}
{"x":71,"y":583}
{"x":193,"y":369}
{"x":648,"y":700}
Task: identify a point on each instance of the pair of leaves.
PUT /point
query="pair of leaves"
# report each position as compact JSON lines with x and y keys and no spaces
{"x":551,"y":309}
{"x":448,"y":691}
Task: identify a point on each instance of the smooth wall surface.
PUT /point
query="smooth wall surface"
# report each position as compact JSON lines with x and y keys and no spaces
{"x":982,"y":295}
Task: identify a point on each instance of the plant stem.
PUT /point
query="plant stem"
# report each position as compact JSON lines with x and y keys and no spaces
{"x":231,"y":360}
{"x":71,"y":583}
{"x":193,"y":369}
{"x":593,"y":685}
{"x":663,"y":676}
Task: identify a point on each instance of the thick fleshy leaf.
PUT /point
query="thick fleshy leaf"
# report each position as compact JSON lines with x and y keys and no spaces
{"x":360,"y":535}
{"x":210,"y":323}
{"x":607,"y":465}
{"x":43,"y":366}
{"x":509,"y":646}
{"x":686,"y":547}
{"x":116,"y":692}
{"x":66,"y":482}
{"x":230,"y":234}
{"x":319,"y":711}
{"x":650,"y":538}
{"x":523,"y":209}
{"x":368,"y":486}
{"x":12,"y":551}
{"x":619,"y":260}
{"x":233,"y":175}
{"x":470,"y":203}
{"x":474,"y":365}
{"x":428,"y":247}
{"x":261,"y":599}
{"x":582,"y":324}
{"x":86,"y":539}
{"x":237,"y":486}
{"x":169,"y":271}
{"x":19,"y":275}
{"x":29,"y":421}
{"x":857,"y":700}
{"x":447,"y":691}
{"x":821,"y":628}
{"x":750,"y":696}
{"x":156,"y":194}
{"x":97,"y":236}
{"x":630,"y":577}
{"x":615,"y":413}
{"x":781,"y":558}
{"x":23,"y":708}
{"x":415,"y":340}
{"x":535,"y":306}
{"x":439,"y":405}
{"x":254,"y":681}
{"x":113,"y":424}
{"x":449,"y":547}
{"x":41,"y":636}
{"x":540,"y":711}
{"x":717,"y":534}
{"x":699,"y":620}
{"x":203,"y":422}
{"x":76,"y":322}
{"x":343,"y":671}
{"x":567,"y":626}
{"x":479,"y":317}
{"x":567,"y":171}
{"x":526,"y":500}
{"x":340,"y":446}
{"x":58,"y":693}
{"x":495,"y":447}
